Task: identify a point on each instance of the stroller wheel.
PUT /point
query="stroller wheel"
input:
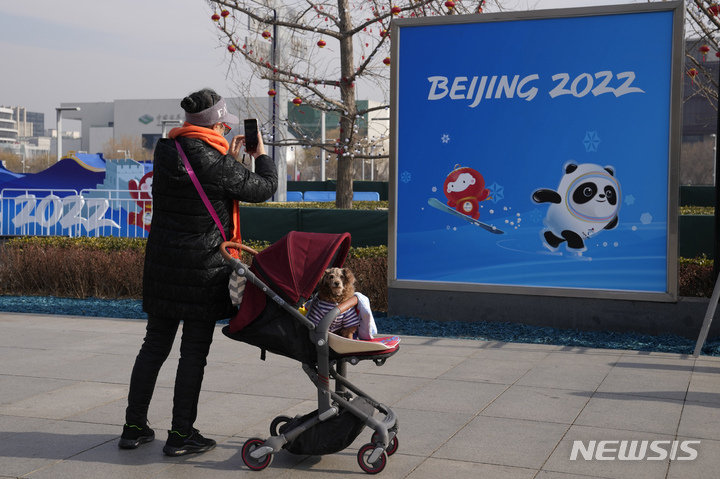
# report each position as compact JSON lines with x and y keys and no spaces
{"x":251,"y":445}
{"x":392,"y":447}
{"x":364,"y":457}
{"x":277,"y":423}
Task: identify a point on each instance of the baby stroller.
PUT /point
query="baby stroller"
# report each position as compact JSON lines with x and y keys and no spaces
{"x":288,"y":272}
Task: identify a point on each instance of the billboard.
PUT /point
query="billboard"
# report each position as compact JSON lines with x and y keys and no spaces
{"x":537,"y":152}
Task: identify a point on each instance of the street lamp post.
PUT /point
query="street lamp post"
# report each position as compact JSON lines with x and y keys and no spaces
{"x":165,"y":123}
{"x":59,"y":126}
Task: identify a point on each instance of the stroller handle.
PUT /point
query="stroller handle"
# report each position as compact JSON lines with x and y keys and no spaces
{"x":231,"y":244}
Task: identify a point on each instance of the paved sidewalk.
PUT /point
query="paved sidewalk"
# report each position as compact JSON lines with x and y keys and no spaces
{"x":467,"y":409}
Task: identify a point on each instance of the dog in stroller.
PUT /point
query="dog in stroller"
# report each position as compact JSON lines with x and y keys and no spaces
{"x":288,"y":272}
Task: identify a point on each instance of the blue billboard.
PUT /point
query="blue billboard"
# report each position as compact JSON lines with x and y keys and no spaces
{"x":537,"y":152}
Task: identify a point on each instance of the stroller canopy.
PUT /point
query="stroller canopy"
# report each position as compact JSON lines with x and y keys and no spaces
{"x":292,"y":268}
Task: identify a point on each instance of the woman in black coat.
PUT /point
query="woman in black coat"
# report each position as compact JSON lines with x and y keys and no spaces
{"x":185,"y":277}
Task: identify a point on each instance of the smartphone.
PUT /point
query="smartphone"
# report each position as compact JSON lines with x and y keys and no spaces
{"x":251,"y":135}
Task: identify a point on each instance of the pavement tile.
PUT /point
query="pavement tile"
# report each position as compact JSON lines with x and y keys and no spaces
{"x":560,"y":461}
{"x":421,"y":433}
{"x":555,"y":374}
{"x":465,"y":408}
{"x":16,"y":388}
{"x":706,"y":464}
{"x":644,"y":378}
{"x":538,"y":404}
{"x":632,"y":413}
{"x":503,"y":441}
{"x":705,"y":387}
{"x":66,"y":401}
{"x":696,"y":416}
{"x":453,"y":396}
{"x":442,"y":468}
{"x":498,"y":371}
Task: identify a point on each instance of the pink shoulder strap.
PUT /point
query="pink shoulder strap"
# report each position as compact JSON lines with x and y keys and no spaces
{"x":200,"y":190}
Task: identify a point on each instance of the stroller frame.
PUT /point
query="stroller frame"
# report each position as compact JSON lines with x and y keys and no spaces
{"x":257,"y":453}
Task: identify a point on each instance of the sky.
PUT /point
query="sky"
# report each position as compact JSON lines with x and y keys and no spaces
{"x":55,"y":52}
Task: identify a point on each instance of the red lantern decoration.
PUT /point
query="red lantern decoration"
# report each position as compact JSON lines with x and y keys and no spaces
{"x":714,"y":9}
{"x":231,"y":48}
{"x":321,"y":43}
{"x":383,"y":33}
{"x":297,"y":101}
{"x":692,"y":73}
{"x":450,"y":5}
{"x":266,"y":35}
{"x":396,"y":10}
{"x":387,"y":61}
{"x":215,"y":17}
{"x":272,"y":92}
{"x":224,"y":13}
{"x":704,"y":50}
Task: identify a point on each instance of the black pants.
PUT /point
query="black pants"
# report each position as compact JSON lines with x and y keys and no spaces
{"x":194,"y":349}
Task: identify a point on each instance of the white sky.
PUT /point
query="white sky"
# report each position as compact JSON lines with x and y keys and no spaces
{"x":55,"y":52}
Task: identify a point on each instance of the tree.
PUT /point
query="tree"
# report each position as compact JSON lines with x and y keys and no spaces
{"x":702,"y":30}
{"x":126,"y":147}
{"x":337,"y":45}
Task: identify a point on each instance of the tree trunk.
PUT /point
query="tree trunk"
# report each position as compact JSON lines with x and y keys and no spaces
{"x":346,"y":148}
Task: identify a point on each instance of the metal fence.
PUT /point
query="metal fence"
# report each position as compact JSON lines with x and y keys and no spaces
{"x":63,"y":212}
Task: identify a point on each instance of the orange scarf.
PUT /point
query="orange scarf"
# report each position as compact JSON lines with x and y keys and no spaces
{"x":208,"y":135}
{"x":217,"y":141}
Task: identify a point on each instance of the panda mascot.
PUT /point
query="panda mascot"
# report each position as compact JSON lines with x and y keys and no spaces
{"x":586,"y":202}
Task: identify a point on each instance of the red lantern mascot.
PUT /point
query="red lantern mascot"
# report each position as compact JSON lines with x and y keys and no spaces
{"x":141,"y":192}
{"x":465,"y":189}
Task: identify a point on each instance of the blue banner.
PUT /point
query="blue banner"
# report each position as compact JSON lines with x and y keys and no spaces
{"x":535,"y":153}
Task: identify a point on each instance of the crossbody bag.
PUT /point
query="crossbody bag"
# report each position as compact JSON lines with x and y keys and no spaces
{"x":236,"y":285}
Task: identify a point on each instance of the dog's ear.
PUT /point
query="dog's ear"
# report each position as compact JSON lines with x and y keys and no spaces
{"x":349,"y":276}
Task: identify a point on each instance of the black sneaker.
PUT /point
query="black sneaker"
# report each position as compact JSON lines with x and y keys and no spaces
{"x":133,"y":436}
{"x":179,"y":444}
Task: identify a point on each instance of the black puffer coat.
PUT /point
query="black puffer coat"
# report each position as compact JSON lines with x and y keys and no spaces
{"x":185,"y":277}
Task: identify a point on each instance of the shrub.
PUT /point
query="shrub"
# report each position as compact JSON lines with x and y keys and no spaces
{"x":109,"y":267}
{"x":695,"y":277}
{"x":69,"y":268}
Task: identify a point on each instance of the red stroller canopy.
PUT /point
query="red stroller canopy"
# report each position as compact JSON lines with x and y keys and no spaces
{"x":292,"y":268}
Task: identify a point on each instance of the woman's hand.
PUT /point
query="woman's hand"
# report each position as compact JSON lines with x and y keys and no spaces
{"x":260,"y":150}
{"x":236,"y":145}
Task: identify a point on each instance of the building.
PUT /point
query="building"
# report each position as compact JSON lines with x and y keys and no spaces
{"x":148,"y":120}
{"x":8,"y":127}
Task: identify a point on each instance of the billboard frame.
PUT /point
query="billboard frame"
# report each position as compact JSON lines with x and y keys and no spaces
{"x":673,"y":161}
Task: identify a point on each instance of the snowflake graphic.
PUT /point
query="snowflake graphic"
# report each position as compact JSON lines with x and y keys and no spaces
{"x":646,"y":218}
{"x":497,"y":192}
{"x":406,"y":177}
{"x":445,"y":138}
{"x":536,"y":216}
{"x":591,"y":141}
{"x":629,"y":200}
